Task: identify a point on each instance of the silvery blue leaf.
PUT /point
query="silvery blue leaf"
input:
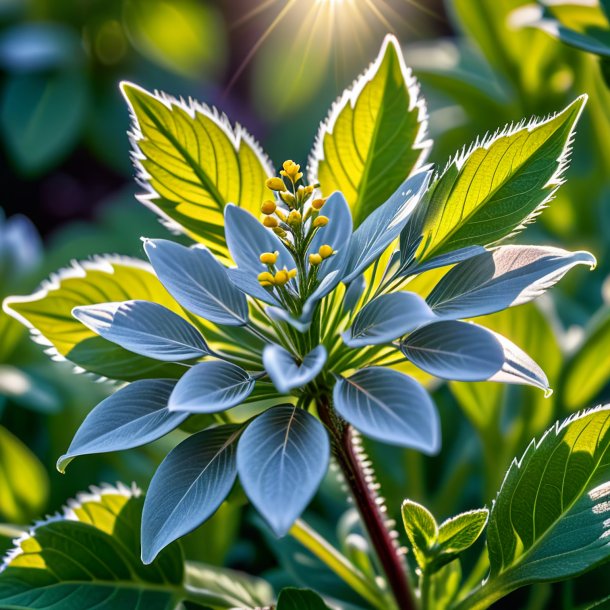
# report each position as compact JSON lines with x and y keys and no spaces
{"x":246,"y":282}
{"x":21,"y":243}
{"x":188,"y":487}
{"x":197,"y":281}
{"x":281,"y":315}
{"x":247,"y":239}
{"x":519,"y":368}
{"x":506,"y":276}
{"x":336,"y":233}
{"x":386,"y":318}
{"x":282,"y":458}
{"x":455,"y":350}
{"x":444,"y":260}
{"x":286,"y":373}
{"x":383,"y":226}
{"x":354,"y":292}
{"x":211,"y":386}
{"x":145,"y":328}
{"x":389,"y":406}
{"x":326,"y":286}
{"x":133,"y":416}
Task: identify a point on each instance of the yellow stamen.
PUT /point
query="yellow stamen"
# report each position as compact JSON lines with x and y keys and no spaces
{"x":268,"y":207}
{"x":275,"y":184}
{"x":320,"y":221}
{"x":270,"y":222}
{"x":315,"y":259}
{"x":325,"y":251}
{"x":269,"y":258}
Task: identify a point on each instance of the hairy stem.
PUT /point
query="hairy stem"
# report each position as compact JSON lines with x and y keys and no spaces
{"x":365,"y":499}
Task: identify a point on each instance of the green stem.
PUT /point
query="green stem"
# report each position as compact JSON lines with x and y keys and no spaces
{"x":338,"y":563}
{"x":425,"y":588}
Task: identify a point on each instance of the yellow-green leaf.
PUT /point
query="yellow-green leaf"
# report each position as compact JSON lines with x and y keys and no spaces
{"x":24,"y":484}
{"x":194,"y":163}
{"x":374,"y":136}
{"x":494,"y":189}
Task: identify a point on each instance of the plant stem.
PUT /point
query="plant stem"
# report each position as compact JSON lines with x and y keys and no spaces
{"x":366,"y":501}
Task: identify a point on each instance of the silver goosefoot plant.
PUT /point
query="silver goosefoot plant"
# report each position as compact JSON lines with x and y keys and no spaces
{"x":292,"y":325}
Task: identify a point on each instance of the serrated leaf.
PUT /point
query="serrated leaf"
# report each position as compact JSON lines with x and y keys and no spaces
{"x":197,"y":281}
{"x":209,"y":387}
{"x":421,"y":528}
{"x":499,"y":185}
{"x":87,"y":558}
{"x":375,"y":135}
{"x":300,"y":599}
{"x":48,"y":313}
{"x":194,"y":163}
{"x":588,"y":369}
{"x":505,"y":277}
{"x":281,"y":458}
{"x":24,"y":484}
{"x":455,"y":350}
{"x":389,"y":406}
{"x":550,"y":518}
{"x":133,"y":416}
{"x":145,"y":328}
{"x":188,"y":487}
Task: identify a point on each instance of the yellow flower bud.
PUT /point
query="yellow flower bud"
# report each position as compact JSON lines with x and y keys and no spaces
{"x":325,"y":251}
{"x":269,"y":258}
{"x":308,"y":190}
{"x":294,"y":218}
{"x":270,"y":222}
{"x":318,"y":204}
{"x":279,"y":231}
{"x":292,"y":274}
{"x":291,"y":170}
{"x":288,"y":198}
{"x":320,"y":221}
{"x":266,"y":279}
{"x":281,"y":277}
{"x":315,"y":259}
{"x":275,"y":184}
{"x":268,"y":207}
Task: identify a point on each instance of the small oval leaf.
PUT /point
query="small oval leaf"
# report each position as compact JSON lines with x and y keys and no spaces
{"x":210,"y":387}
{"x":284,"y":370}
{"x":282,"y":458}
{"x":188,"y":487}
{"x":145,"y":328}
{"x":455,"y":350}
{"x":389,"y":406}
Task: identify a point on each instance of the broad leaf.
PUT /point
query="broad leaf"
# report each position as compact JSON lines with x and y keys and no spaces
{"x":145,"y":328}
{"x":421,"y":528}
{"x":300,"y":599}
{"x":505,"y":277}
{"x":375,"y":135}
{"x":286,"y":373}
{"x":282,"y":458}
{"x":499,"y":185}
{"x":384,"y":225}
{"x":209,"y":387}
{"x":88,"y":558}
{"x":188,"y":487}
{"x":194,"y":163}
{"x":133,"y":416}
{"x":386,"y":318}
{"x":455,"y":350}
{"x":197,"y":281}
{"x":550,"y":518}
{"x":48,"y":313}
{"x":24,"y":484}
{"x":390,"y":407}
{"x":588,"y":369}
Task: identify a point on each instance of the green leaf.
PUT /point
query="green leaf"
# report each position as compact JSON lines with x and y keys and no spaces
{"x":48,"y":313}
{"x":498,"y":186}
{"x":422,"y":530}
{"x":41,"y":116}
{"x":194,"y":163}
{"x":375,"y":135}
{"x":239,"y":589}
{"x":24,"y":484}
{"x":550,"y":518}
{"x":444,"y":585}
{"x":457,"y":534}
{"x":90,"y":556}
{"x":588,"y":370}
{"x":300,"y":599}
